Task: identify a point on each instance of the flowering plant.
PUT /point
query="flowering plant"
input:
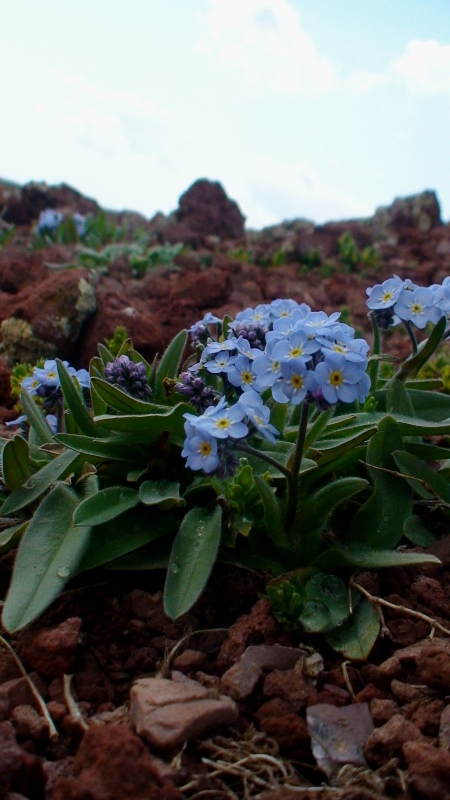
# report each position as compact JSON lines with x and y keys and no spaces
{"x":275,"y":444}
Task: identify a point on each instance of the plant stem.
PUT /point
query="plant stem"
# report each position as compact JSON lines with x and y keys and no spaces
{"x":411,"y":335}
{"x":246,"y":448}
{"x":376,"y":350}
{"x":295,"y":469}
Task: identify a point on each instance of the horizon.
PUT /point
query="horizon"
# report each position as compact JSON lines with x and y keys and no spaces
{"x":317,"y":111}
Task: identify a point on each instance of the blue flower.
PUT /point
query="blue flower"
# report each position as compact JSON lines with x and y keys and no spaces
{"x":258,"y":414}
{"x":200,"y":450}
{"x":83,"y":378}
{"x":222,"y":421}
{"x":266,"y":368}
{"x":384,"y":295}
{"x":221,"y":363}
{"x":80,"y":224}
{"x":417,"y":306}
{"x":241,"y":373}
{"x":48,"y":374}
{"x":295,"y":381}
{"x":296,"y":345}
{"x":49,"y":220}
{"x":337,"y":378}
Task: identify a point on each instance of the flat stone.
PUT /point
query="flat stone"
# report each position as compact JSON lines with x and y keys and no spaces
{"x":240,"y":680}
{"x":168,"y":713}
{"x":338,"y":735}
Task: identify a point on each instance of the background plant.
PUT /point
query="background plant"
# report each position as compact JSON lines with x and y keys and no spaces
{"x":298,"y":464}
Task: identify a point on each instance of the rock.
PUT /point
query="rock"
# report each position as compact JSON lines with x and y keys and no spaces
{"x":28,"y":723}
{"x":205,"y":209}
{"x":421,"y":211}
{"x":240,"y":680}
{"x":10,"y":757}
{"x":112,"y":763}
{"x":386,"y":742}
{"x":277,"y":719}
{"x":51,"y":651}
{"x":168,"y":713}
{"x":382,"y":710}
{"x":13,"y":693}
{"x":291,"y":686}
{"x":258,"y":626}
{"x":48,"y":322}
{"x":444,"y":729}
{"x":189,"y":660}
{"x":23,"y":206}
{"x":427,"y":716}
{"x":428,"y":770}
{"x":433,"y":666}
{"x":338,"y":735}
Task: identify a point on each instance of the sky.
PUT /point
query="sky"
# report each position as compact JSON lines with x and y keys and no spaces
{"x":316,"y":109}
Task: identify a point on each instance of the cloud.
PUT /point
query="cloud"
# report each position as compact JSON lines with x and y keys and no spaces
{"x":120,"y":100}
{"x":265,"y":39}
{"x":424,"y":68}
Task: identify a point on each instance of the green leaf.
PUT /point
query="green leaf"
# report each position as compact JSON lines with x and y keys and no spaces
{"x":48,"y":555}
{"x":169,"y":366}
{"x":117,"y":448}
{"x":119,"y":400}
{"x":152,"y":425}
{"x":125,"y":534}
{"x":35,"y":418}
{"x":427,"y":452}
{"x":314,"y":510}
{"x":105,"y":354}
{"x":379,"y":522}
{"x":417,"y":533}
{"x":155,"y":555}
{"x":34,"y":487}
{"x":364,"y":557}
{"x":273,"y":515}
{"x":398,"y":400}
{"x":15,"y":462}
{"x":10,"y":537}
{"x":326,"y":603}
{"x":193,"y":555}
{"x":329,"y":449}
{"x":426,"y":482}
{"x":426,"y":349}
{"x":164,"y":494}
{"x":316,"y":428}
{"x":74,"y":401}
{"x":105,"y":505}
{"x":355,"y":638}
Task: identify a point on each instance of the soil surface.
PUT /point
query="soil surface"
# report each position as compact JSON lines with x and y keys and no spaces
{"x":257,"y":712}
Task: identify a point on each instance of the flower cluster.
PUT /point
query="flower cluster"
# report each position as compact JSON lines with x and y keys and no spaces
{"x":396,"y":300}
{"x":301,"y":356}
{"x":50,"y":219}
{"x":131,"y":377}
{"x":44,"y":383}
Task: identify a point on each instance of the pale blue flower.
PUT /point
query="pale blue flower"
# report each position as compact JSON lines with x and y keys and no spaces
{"x":241,"y":373}
{"x":296,"y":345}
{"x":200,"y":451}
{"x":417,"y":306}
{"x":338,"y":377}
{"x":258,"y":414}
{"x":222,"y":421}
{"x":384,"y":295}
{"x":295,"y":381}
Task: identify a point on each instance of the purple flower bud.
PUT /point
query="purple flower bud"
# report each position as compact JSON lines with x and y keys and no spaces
{"x":131,"y":377}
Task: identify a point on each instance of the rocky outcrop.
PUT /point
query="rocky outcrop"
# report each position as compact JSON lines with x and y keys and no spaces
{"x":204,"y":210}
{"x":420,"y":212}
{"x":23,"y":206}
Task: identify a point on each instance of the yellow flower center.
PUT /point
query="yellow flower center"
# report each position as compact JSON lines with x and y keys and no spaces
{"x":205,"y":449}
{"x":336,"y":378}
{"x":223,"y":423}
{"x":296,"y":351}
{"x":247,"y":377}
{"x":297,"y":381}
{"x":387,"y":296}
{"x":416,"y":308}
